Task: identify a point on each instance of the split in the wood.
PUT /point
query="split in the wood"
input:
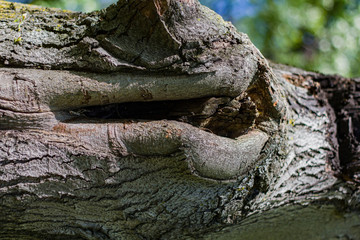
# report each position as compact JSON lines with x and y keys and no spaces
{"x":223,"y":116}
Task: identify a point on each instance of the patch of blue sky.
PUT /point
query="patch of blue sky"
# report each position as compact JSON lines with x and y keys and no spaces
{"x":232,"y":9}
{"x":21,"y":1}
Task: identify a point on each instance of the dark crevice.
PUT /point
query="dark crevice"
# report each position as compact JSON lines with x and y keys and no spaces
{"x":222,"y":116}
{"x":344,"y":97}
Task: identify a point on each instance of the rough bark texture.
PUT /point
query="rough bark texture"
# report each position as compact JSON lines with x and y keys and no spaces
{"x":157,"y":120}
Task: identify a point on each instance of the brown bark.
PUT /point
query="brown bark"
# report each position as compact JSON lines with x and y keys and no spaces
{"x":157,"y":120}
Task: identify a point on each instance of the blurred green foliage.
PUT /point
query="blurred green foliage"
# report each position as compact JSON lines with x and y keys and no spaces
{"x":318,"y":35}
{"x":75,"y":5}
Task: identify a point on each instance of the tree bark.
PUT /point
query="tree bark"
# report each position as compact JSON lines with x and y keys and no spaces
{"x":158,"y":120}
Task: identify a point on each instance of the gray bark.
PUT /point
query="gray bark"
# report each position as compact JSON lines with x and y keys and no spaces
{"x":158,"y":120}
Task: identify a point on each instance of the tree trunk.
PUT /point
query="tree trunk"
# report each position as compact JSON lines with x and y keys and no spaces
{"x":158,"y":120}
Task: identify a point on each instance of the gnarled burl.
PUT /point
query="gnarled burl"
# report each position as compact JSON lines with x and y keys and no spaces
{"x":158,"y":120}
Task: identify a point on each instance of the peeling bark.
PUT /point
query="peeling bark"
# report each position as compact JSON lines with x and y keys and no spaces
{"x":157,"y":120}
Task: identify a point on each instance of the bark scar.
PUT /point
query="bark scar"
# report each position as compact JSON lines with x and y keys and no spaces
{"x":116,"y":145}
{"x":161,"y":6}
